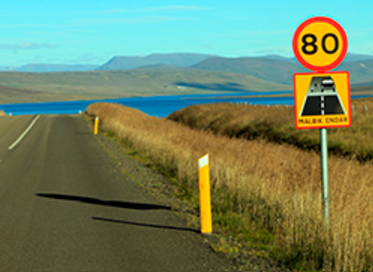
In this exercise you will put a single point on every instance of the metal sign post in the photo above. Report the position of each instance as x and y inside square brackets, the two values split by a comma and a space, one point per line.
[324, 173]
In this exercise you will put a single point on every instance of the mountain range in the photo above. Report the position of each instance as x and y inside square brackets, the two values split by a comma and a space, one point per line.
[281, 71]
[177, 59]
[349, 57]
[272, 68]
[42, 68]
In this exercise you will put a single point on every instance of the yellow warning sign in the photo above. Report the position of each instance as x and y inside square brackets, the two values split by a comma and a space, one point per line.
[322, 100]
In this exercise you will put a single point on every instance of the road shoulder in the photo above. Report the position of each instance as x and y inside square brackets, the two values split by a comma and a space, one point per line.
[160, 190]
[165, 192]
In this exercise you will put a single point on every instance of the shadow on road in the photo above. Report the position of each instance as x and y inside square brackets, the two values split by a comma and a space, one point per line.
[144, 225]
[110, 203]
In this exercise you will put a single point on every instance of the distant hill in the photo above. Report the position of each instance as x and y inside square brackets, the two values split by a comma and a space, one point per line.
[278, 57]
[13, 94]
[275, 69]
[349, 57]
[168, 61]
[177, 59]
[360, 71]
[278, 71]
[21, 87]
[7, 68]
[270, 68]
[160, 66]
[42, 68]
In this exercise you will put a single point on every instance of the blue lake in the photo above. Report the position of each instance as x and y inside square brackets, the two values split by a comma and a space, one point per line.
[159, 106]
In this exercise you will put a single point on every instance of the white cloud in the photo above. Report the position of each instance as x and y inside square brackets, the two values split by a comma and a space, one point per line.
[257, 33]
[91, 58]
[285, 51]
[110, 11]
[239, 18]
[133, 20]
[25, 46]
[206, 46]
[152, 9]
[178, 8]
[24, 25]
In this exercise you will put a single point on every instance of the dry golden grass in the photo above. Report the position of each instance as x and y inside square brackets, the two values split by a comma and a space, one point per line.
[276, 186]
[277, 124]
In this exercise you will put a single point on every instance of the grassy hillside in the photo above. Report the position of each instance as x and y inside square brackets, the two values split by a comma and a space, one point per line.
[12, 94]
[137, 82]
[276, 124]
[279, 71]
[265, 195]
[360, 71]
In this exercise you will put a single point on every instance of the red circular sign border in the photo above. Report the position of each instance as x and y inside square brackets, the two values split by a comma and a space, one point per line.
[315, 20]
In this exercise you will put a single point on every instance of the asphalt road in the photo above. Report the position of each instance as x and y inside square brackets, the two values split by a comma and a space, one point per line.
[65, 207]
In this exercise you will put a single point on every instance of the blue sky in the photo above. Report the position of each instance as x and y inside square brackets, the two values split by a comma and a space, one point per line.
[84, 32]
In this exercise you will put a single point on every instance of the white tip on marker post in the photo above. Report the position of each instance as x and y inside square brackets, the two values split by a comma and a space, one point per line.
[203, 161]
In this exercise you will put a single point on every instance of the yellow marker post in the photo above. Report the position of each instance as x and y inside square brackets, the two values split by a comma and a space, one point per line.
[204, 194]
[96, 126]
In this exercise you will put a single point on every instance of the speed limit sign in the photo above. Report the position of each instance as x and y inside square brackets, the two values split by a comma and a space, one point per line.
[320, 44]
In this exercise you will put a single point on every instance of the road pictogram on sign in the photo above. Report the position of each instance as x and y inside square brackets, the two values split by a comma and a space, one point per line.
[320, 44]
[322, 100]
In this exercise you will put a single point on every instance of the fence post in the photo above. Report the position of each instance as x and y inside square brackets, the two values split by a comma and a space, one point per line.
[366, 110]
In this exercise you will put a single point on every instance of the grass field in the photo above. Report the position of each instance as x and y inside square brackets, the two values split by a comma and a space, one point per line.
[66, 86]
[265, 194]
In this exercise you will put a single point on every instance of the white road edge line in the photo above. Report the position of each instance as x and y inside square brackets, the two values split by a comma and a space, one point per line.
[13, 145]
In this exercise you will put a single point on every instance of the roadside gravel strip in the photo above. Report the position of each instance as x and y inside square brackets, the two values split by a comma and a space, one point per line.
[158, 187]
[197, 247]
